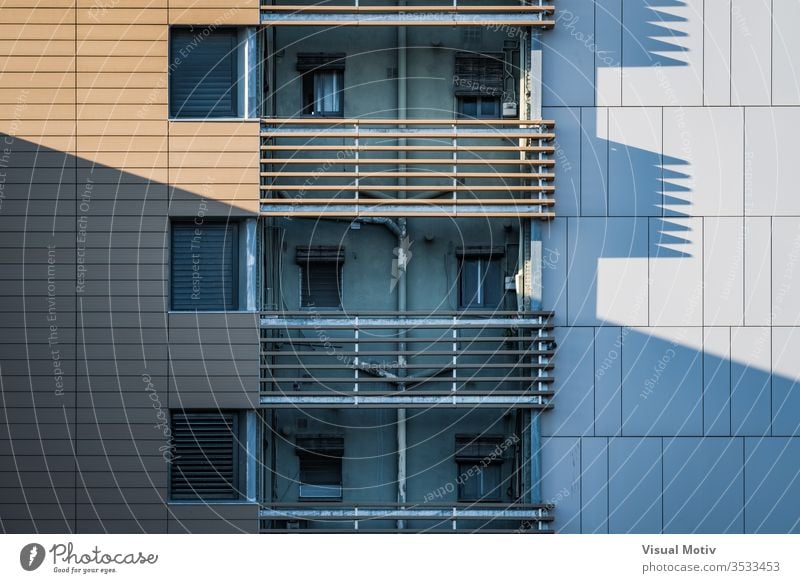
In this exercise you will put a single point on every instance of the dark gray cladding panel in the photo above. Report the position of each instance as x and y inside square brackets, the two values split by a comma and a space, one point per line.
[104, 525]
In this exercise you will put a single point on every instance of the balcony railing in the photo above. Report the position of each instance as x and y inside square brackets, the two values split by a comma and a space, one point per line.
[507, 14]
[406, 359]
[372, 167]
[328, 517]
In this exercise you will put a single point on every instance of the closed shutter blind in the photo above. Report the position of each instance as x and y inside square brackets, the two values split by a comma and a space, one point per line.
[477, 449]
[205, 462]
[204, 73]
[312, 61]
[320, 276]
[204, 266]
[320, 284]
[320, 471]
[478, 74]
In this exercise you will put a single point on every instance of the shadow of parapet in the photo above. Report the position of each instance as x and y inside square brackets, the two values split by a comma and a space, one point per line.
[620, 155]
[650, 32]
[85, 369]
[681, 427]
[673, 431]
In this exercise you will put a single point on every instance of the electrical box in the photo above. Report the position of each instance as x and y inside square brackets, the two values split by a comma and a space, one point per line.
[511, 283]
[509, 109]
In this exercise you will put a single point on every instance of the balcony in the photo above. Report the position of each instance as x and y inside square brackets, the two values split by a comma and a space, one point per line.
[314, 167]
[508, 15]
[406, 359]
[328, 517]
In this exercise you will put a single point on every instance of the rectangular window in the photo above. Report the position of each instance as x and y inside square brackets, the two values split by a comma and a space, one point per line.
[478, 84]
[479, 483]
[320, 276]
[204, 269]
[480, 464]
[323, 83]
[320, 467]
[478, 107]
[480, 276]
[204, 75]
[206, 455]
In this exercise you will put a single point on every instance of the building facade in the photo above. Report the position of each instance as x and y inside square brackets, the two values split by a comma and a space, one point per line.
[489, 267]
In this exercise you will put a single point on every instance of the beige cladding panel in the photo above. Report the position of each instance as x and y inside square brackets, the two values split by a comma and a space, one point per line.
[217, 161]
[216, 12]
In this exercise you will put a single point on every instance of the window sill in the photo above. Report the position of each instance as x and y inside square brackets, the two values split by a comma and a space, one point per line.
[215, 502]
[170, 312]
[213, 119]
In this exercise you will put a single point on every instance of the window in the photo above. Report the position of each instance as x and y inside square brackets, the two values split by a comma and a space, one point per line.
[204, 269]
[481, 279]
[480, 464]
[320, 276]
[478, 107]
[320, 467]
[479, 483]
[478, 84]
[204, 73]
[206, 455]
[323, 83]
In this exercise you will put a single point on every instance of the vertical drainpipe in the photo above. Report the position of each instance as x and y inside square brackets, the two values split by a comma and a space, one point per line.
[402, 282]
[535, 112]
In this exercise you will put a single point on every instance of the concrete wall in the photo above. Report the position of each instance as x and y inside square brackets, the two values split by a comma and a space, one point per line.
[671, 266]
[370, 84]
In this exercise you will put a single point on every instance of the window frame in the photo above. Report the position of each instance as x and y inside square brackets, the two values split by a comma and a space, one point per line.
[480, 99]
[235, 266]
[236, 65]
[309, 89]
[306, 257]
[483, 495]
[310, 65]
[493, 261]
[314, 449]
[476, 453]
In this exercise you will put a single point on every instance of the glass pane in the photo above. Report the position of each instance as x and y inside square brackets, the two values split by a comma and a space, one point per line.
[327, 92]
[490, 107]
[468, 106]
[470, 282]
[479, 483]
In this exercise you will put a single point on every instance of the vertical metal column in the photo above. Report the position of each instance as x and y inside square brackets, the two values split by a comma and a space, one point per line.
[535, 280]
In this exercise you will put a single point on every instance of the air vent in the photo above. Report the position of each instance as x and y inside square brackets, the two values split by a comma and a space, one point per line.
[205, 466]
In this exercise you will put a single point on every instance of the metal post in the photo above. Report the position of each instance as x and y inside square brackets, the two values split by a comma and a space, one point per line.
[535, 280]
[402, 75]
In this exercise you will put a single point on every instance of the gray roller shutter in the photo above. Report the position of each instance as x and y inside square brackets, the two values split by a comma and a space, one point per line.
[478, 74]
[203, 73]
[204, 266]
[320, 276]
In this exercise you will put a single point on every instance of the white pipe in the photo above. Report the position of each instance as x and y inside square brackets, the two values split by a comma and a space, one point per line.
[402, 74]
